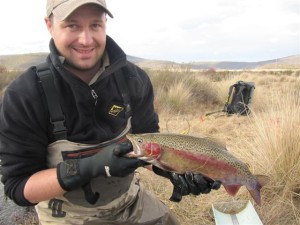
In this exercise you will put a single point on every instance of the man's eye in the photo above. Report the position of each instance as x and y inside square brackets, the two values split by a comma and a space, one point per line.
[72, 26]
[96, 26]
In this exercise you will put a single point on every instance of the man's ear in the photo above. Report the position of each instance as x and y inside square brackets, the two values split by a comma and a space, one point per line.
[49, 24]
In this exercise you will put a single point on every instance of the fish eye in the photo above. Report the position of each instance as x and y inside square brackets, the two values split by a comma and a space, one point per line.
[140, 140]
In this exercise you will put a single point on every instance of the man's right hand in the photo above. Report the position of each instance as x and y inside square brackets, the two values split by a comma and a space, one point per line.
[109, 162]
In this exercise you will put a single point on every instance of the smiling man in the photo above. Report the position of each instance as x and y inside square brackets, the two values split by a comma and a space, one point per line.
[80, 38]
[62, 123]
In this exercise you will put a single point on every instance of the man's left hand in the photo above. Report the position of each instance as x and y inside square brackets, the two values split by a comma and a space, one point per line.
[187, 183]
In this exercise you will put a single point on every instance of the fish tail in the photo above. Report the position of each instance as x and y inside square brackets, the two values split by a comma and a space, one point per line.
[255, 193]
[261, 180]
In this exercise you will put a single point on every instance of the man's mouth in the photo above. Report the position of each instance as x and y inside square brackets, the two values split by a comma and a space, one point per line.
[86, 52]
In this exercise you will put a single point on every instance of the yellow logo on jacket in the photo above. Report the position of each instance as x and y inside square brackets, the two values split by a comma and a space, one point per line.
[115, 110]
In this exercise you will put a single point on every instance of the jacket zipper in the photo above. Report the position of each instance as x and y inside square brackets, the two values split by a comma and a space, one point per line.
[95, 96]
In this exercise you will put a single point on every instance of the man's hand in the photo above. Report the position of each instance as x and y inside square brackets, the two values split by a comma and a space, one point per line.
[109, 162]
[188, 183]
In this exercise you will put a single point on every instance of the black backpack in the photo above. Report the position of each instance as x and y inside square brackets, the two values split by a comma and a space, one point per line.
[239, 98]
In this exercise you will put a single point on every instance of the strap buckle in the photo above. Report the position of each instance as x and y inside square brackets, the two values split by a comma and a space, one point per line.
[59, 129]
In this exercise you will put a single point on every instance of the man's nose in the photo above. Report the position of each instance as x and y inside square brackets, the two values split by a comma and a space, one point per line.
[85, 37]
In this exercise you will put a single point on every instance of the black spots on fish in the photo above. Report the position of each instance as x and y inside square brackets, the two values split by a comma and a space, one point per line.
[201, 145]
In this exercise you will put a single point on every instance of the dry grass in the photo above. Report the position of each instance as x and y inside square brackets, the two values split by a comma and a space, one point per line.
[268, 140]
[277, 146]
[182, 92]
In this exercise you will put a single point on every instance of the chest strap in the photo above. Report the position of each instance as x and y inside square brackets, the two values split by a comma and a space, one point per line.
[57, 118]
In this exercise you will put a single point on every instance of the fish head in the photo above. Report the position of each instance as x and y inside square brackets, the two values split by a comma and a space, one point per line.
[143, 146]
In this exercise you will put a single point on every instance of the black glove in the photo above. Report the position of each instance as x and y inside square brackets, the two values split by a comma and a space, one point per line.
[187, 183]
[109, 162]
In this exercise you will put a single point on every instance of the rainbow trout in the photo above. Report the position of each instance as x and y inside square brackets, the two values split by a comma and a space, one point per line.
[183, 153]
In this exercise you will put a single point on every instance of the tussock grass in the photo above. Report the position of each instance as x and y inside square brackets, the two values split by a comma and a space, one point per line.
[268, 140]
[276, 148]
[182, 92]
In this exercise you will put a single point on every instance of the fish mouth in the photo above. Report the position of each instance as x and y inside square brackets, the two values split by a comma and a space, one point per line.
[137, 152]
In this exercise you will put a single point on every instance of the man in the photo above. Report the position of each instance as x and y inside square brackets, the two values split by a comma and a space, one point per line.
[75, 171]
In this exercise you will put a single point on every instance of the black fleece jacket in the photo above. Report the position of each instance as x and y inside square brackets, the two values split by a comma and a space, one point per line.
[25, 128]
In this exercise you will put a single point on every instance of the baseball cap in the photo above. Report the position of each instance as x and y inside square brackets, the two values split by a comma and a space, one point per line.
[63, 8]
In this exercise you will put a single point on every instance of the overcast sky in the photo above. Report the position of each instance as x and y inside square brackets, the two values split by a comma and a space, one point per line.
[175, 30]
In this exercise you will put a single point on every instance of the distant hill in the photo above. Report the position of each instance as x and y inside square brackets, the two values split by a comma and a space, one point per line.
[291, 62]
[22, 62]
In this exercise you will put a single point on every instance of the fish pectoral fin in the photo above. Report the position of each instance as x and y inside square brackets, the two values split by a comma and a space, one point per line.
[232, 189]
[162, 166]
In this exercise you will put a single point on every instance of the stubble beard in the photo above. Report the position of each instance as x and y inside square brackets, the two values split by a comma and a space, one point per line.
[74, 66]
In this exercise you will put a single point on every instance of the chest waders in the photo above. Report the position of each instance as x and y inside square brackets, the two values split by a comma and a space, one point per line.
[104, 200]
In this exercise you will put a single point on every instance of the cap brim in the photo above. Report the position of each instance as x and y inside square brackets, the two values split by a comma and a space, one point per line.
[67, 8]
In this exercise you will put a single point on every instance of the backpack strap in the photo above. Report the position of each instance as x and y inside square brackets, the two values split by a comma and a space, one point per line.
[239, 87]
[123, 88]
[229, 98]
[57, 117]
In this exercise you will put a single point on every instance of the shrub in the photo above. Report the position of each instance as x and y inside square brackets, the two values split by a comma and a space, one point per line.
[182, 91]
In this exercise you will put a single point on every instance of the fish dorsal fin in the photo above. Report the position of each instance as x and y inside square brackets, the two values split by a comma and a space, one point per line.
[232, 189]
[217, 142]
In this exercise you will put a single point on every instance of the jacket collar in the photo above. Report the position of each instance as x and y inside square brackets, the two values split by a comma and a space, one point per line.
[117, 56]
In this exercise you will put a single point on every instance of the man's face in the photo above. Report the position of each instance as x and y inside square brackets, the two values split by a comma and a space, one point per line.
[81, 37]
